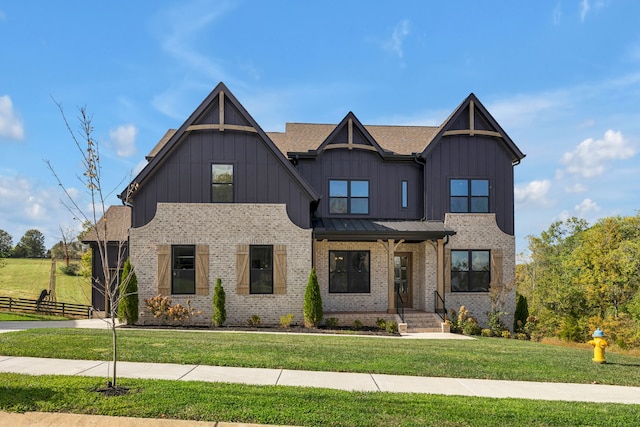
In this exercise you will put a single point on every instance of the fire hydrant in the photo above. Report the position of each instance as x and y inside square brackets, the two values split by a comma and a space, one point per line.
[599, 343]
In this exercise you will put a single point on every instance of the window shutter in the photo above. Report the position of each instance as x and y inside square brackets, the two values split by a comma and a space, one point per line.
[496, 267]
[447, 270]
[164, 269]
[242, 269]
[202, 270]
[280, 269]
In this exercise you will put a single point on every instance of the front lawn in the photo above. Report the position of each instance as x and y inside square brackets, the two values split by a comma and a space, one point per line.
[485, 358]
[296, 405]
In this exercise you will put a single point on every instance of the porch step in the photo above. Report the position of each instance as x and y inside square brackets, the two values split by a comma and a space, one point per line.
[420, 321]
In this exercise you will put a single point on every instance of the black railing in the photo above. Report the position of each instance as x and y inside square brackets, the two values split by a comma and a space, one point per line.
[45, 307]
[399, 305]
[439, 307]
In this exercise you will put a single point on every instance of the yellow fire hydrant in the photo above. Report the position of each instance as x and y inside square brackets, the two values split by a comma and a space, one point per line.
[599, 343]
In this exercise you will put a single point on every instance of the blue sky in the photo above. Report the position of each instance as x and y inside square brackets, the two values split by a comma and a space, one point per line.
[561, 77]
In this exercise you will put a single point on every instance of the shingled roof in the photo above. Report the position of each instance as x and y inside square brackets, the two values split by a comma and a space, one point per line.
[116, 222]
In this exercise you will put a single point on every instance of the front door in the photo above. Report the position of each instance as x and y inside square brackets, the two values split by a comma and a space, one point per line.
[402, 277]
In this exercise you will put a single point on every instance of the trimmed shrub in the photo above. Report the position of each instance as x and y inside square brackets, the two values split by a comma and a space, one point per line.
[286, 320]
[219, 299]
[486, 333]
[128, 305]
[254, 320]
[312, 302]
[391, 327]
[381, 323]
[332, 322]
[357, 325]
[521, 314]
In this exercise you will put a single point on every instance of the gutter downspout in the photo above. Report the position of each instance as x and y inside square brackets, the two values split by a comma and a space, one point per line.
[423, 163]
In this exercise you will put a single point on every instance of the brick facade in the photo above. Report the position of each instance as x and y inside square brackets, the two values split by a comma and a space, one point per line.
[222, 227]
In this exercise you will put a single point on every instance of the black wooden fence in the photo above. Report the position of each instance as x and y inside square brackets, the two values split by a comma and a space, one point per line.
[45, 307]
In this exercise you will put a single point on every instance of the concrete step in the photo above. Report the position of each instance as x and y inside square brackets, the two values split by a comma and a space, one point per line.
[423, 322]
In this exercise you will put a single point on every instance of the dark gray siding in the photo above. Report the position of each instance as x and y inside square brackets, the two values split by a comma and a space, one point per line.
[384, 178]
[185, 175]
[470, 157]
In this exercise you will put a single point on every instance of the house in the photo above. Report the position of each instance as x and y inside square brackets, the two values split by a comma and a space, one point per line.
[408, 220]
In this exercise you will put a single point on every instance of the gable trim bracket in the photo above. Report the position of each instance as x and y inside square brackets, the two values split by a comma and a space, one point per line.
[221, 126]
[472, 131]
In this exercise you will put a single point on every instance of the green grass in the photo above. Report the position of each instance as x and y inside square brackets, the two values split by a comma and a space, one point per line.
[26, 278]
[487, 358]
[296, 405]
[7, 316]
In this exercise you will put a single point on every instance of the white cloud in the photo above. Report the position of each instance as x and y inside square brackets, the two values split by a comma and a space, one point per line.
[11, 126]
[584, 9]
[591, 157]
[394, 44]
[123, 139]
[576, 188]
[585, 207]
[534, 193]
[523, 110]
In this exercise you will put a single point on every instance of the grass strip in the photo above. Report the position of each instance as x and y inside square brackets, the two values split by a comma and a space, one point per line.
[295, 405]
[485, 358]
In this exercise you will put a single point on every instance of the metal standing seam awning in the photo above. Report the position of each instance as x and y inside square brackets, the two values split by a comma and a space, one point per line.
[367, 230]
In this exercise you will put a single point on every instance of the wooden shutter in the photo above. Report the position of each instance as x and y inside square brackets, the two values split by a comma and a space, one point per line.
[164, 269]
[202, 270]
[280, 269]
[496, 267]
[242, 269]
[447, 270]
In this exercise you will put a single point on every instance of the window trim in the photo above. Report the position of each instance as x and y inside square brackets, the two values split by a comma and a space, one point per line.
[469, 197]
[173, 269]
[253, 271]
[470, 271]
[349, 196]
[232, 184]
[349, 272]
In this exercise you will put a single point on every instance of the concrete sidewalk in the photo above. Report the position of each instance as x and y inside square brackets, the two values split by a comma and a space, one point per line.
[332, 380]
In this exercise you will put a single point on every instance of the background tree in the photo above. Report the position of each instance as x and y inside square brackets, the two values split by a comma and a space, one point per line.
[67, 248]
[6, 244]
[128, 307]
[31, 245]
[312, 302]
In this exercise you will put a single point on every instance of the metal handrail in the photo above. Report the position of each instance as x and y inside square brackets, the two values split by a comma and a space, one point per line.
[399, 305]
[442, 310]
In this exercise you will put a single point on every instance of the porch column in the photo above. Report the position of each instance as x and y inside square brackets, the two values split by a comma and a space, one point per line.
[440, 272]
[391, 246]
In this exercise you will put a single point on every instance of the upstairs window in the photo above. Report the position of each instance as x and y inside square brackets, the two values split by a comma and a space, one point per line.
[404, 195]
[222, 183]
[348, 197]
[469, 196]
[183, 269]
[470, 271]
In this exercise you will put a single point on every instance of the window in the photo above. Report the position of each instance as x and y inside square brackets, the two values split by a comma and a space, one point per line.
[221, 183]
[470, 271]
[183, 269]
[349, 271]
[404, 195]
[348, 197]
[261, 275]
[469, 195]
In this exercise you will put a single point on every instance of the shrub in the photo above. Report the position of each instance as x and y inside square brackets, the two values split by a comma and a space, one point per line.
[128, 306]
[312, 302]
[382, 324]
[332, 322]
[219, 298]
[286, 320]
[70, 270]
[506, 334]
[471, 327]
[391, 327]
[522, 336]
[254, 320]
[162, 308]
[521, 314]
[357, 325]
[486, 333]
[454, 326]
[495, 322]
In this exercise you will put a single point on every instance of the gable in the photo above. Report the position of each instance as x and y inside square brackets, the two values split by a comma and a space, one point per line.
[471, 119]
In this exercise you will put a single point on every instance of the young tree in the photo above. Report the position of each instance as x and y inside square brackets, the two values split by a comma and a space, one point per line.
[88, 150]
[219, 311]
[128, 307]
[312, 302]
